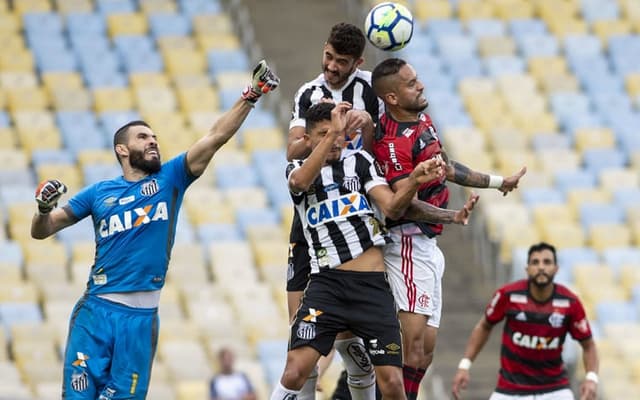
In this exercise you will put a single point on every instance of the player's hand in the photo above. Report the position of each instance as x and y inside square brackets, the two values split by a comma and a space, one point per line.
[588, 390]
[511, 182]
[263, 80]
[357, 119]
[460, 381]
[428, 170]
[339, 117]
[48, 193]
[462, 215]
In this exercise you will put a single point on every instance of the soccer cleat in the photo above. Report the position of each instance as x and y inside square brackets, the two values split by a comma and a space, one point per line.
[263, 80]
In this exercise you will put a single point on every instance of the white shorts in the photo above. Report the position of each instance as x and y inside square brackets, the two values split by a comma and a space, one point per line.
[415, 266]
[562, 394]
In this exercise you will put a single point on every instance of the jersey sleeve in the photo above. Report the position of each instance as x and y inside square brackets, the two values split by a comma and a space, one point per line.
[496, 308]
[579, 328]
[178, 171]
[370, 172]
[81, 204]
[292, 166]
[301, 104]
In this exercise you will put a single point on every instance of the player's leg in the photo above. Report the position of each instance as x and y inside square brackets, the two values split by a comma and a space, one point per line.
[361, 377]
[86, 358]
[300, 362]
[414, 327]
[135, 342]
[390, 382]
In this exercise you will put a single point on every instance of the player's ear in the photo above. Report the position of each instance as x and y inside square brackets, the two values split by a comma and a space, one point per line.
[359, 62]
[391, 98]
[122, 150]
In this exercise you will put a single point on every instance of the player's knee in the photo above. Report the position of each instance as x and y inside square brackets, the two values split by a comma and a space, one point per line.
[293, 378]
[391, 386]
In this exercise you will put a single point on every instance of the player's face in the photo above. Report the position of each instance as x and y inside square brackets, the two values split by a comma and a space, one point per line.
[337, 67]
[144, 153]
[541, 268]
[319, 131]
[410, 90]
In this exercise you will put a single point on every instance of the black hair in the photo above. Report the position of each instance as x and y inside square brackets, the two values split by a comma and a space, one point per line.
[317, 113]
[121, 137]
[540, 247]
[390, 66]
[347, 39]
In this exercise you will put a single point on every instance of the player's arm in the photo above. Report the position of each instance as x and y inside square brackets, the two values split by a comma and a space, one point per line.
[465, 176]
[201, 152]
[479, 336]
[394, 204]
[49, 219]
[297, 147]
[425, 212]
[361, 120]
[301, 178]
[589, 387]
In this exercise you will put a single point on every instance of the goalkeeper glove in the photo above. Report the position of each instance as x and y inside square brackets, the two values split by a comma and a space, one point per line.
[263, 80]
[48, 193]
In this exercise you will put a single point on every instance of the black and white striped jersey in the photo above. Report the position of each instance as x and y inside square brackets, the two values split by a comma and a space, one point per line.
[357, 91]
[337, 216]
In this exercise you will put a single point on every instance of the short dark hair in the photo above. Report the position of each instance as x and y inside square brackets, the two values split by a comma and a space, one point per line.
[540, 247]
[121, 137]
[390, 66]
[317, 113]
[347, 39]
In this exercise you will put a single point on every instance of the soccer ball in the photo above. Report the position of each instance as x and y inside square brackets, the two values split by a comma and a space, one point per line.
[389, 26]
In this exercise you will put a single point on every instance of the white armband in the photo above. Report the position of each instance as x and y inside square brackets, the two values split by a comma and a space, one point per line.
[465, 364]
[495, 181]
[591, 376]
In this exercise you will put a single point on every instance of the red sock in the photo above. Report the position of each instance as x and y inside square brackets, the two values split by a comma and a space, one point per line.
[412, 378]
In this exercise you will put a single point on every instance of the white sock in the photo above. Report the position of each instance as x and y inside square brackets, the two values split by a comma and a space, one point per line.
[282, 393]
[308, 391]
[361, 376]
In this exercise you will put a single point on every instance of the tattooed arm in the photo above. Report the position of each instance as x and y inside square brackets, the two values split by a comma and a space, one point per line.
[425, 212]
[465, 176]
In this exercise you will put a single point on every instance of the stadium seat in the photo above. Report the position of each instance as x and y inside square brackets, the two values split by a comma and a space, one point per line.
[609, 235]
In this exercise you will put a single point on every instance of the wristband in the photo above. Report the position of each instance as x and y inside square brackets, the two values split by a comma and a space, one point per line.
[495, 181]
[591, 376]
[465, 364]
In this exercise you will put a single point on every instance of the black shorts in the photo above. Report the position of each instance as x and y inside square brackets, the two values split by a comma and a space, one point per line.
[299, 267]
[360, 302]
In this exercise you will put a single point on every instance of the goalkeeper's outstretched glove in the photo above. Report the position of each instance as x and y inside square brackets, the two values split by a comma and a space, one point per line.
[48, 193]
[263, 80]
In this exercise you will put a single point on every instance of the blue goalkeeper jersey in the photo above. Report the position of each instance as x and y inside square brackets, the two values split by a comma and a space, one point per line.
[135, 227]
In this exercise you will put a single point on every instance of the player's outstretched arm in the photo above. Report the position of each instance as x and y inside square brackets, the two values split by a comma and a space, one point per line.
[589, 387]
[425, 212]
[479, 336]
[465, 176]
[49, 219]
[199, 155]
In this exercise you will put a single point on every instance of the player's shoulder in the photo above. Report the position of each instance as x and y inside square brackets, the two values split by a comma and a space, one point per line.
[315, 82]
[520, 286]
[564, 292]
[363, 75]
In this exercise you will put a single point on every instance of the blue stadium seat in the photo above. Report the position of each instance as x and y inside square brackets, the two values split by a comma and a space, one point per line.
[45, 22]
[456, 47]
[62, 156]
[421, 43]
[131, 44]
[11, 252]
[536, 45]
[527, 26]
[80, 131]
[226, 60]
[568, 258]
[486, 27]
[113, 120]
[544, 141]
[106, 7]
[595, 82]
[460, 68]
[567, 180]
[14, 313]
[272, 355]
[212, 233]
[568, 103]
[143, 62]
[616, 258]
[229, 176]
[438, 80]
[595, 160]
[16, 193]
[591, 214]
[248, 217]
[612, 105]
[86, 24]
[585, 66]
[609, 312]
[582, 46]
[17, 177]
[165, 24]
[537, 196]
[625, 197]
[504, 65]
[98, 172]
[77, 232]
[598, 10]
[439, 27]
[5, 121]
[198, 7]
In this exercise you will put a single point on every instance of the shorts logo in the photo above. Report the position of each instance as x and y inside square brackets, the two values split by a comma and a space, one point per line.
[79, 382]
[306, 331]
[80, 360]
[358, 354]
[373, 348]
[313, 313]
[107, 394]
[423, 300]
[393, 348]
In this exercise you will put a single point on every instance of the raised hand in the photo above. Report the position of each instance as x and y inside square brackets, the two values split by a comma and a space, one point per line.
[511, 182]
[339, 117]
[462, 215]
[428, 170]
[48, 193]
[263, 80]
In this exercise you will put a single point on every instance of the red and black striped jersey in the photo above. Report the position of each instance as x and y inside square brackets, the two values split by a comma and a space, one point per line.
[533, 337]
[399, 147]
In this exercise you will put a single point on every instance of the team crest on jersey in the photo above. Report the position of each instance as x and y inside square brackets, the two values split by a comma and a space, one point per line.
[351, 183]
[306, 331]
[79, 381]
[149, 188]
[556, 319]
[338, 208]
